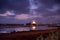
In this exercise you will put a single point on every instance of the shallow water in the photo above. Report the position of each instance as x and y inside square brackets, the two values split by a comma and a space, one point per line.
[8, 30]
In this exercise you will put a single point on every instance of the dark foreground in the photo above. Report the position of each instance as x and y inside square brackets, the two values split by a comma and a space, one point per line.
[31, 35]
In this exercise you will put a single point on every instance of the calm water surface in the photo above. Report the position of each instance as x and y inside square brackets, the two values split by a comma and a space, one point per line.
[8, 30]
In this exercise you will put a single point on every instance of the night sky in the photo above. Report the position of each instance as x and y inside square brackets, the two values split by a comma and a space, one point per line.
[17, 11]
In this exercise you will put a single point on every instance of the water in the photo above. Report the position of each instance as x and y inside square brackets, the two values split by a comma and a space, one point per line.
[8, 30]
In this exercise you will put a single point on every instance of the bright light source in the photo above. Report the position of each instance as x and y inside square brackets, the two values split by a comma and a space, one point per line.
[33, 27]
[33, 22]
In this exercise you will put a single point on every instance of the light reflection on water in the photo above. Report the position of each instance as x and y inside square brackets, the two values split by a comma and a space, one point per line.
[8, 30]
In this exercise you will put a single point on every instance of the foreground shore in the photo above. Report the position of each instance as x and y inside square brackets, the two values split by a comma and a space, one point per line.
[27, 35]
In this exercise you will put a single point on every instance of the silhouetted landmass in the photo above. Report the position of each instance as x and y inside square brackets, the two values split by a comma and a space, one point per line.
[28, 25]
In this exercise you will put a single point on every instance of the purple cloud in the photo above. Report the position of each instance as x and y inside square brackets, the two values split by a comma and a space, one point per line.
[7, 13]
[26, 16]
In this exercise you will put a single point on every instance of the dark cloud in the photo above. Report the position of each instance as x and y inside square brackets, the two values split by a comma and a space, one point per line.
[21, 6]
[57, 1]
[48, 9]
[16, 5]
[50, 3]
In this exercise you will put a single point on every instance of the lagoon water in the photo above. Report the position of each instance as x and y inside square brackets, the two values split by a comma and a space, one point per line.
[8, 30]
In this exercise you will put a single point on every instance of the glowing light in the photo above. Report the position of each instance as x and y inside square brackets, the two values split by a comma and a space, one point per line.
[34, 27]
[33, 22]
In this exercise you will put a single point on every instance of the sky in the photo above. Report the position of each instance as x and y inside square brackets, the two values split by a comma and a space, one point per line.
[20, 11]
